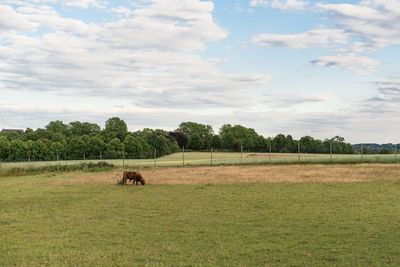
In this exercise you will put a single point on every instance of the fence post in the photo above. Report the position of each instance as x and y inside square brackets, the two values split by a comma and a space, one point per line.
[330, 149]
[183, 155]
[361, 152]
[101, 160]
[395, 154]
[29, 164]
[298, 149]
[123, 159]
[211, 156]
[155, 156]
[241, 154]
[270, 154]
[84, 161]
[1, 161]
[58, 165]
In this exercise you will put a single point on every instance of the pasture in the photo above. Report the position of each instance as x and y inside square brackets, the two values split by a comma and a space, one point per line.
[279, 215]
[220, 158]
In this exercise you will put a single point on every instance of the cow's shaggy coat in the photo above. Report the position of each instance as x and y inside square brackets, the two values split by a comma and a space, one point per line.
[133, 175]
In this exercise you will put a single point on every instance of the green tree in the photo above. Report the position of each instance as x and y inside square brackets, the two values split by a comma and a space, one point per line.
[96, 145]
[384, 151]
[290, 145]
[114, 149]
[307, 144]
[147, 149]
[233, 137]
[279, 143]
[29, 134]
[227, 141]
[58, 149]
[60, 138]
[18, 151]
[216, 142]
[249, 143]
[115, 127]
[367, 150]
[133, 147]
[77, 147]
[195, 142]
[261, 144]
[40, 151]
[205, 132]
[4, 147]
[83, 128]
[43, 134]
[30, 147]
[57, 127]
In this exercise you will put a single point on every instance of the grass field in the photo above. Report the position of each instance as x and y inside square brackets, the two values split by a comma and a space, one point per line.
[218, 158]
[287, 215]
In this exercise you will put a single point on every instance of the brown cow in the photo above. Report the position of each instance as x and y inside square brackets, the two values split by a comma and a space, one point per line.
[132, 175]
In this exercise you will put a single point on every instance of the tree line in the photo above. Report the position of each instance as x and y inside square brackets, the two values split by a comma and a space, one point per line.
[238, 137]
[77, 140]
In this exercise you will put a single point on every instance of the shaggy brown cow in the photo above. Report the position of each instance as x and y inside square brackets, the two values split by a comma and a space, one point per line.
[132, 175]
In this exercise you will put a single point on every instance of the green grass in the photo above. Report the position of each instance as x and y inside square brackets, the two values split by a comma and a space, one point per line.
[219, 158]
[52, 168]
[308, 224]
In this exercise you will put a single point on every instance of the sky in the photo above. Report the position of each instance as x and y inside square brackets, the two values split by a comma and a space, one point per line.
[318, 68]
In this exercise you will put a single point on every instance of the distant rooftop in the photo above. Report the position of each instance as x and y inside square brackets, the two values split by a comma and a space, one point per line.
[13, 130]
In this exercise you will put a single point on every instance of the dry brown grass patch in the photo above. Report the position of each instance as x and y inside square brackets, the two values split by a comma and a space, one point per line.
[317, 173]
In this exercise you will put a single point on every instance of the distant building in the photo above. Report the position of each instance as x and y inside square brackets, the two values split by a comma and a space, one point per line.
[13, 130]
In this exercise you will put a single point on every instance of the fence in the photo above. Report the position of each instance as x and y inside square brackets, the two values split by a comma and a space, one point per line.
[212, 158]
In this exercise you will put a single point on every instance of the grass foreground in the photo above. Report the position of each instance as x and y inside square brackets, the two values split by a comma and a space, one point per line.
[49, 220]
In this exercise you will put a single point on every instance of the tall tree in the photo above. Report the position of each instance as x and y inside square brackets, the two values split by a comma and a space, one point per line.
[96, 145]
[181, 138]
[57, 127]
[216, 142]
[279, 143]
[77, 147]
[205, 132]
[133, 147]
[18, 151]
[4, 147]
[115, 127]
[195, 142]
[82, 128]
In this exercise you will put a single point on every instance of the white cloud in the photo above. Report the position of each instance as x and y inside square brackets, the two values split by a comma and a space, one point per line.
[122, 11]
[389, 93]
[11, 20]
[314, 38]
[289, 5]
[283, 5]
[374, 21]
[258, 3]
[146, 57]
[360, 64]
[353, 11]
[289, 100]
[361, 29]
[86, 3]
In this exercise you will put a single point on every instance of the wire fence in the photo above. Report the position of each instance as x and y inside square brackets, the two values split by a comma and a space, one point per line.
[210, 158]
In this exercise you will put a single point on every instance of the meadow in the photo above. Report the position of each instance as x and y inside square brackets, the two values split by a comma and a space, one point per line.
[220, 158]
[240, 215]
